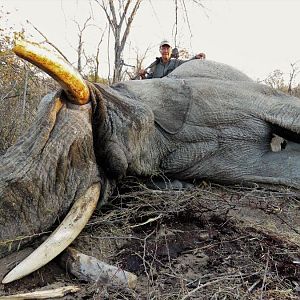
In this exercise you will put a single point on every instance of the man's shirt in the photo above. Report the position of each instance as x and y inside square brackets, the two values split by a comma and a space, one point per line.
[159, 69]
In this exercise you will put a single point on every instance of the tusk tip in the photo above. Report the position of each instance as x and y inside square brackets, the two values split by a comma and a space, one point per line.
[61, 238]
[8, 278]
[56, 66]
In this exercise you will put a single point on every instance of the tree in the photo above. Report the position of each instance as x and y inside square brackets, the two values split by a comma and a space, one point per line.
[22, 87]
[276, 80]
[139, 60]
[296, 91]
[292, 76]
[80, 43]
[93, 63]
[120, 27]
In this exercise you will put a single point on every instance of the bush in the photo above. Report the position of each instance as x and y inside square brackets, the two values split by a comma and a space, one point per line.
[22, 88]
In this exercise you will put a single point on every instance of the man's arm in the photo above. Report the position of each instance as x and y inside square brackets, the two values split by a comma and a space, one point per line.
[197, 56]
[200, 56]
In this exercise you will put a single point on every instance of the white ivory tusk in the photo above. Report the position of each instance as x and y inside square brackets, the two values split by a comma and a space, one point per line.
[57, 67]
[61, 238]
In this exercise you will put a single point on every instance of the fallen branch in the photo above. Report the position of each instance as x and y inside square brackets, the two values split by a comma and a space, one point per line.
[45, 294]
[89, 268]
[201, 286]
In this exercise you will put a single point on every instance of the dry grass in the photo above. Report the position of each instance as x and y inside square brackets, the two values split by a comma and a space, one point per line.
[194, 244]
[210, 242]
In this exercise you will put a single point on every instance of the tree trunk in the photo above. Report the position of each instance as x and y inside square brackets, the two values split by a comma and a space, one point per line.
[118, 65]
[117, 26]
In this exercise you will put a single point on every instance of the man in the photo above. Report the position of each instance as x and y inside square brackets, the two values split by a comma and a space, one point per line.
[165, 64]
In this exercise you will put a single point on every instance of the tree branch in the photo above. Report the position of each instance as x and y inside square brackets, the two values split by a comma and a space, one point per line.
[130, 19]
[113, 12]
[124, 12]
[104, 8]
[47, 41]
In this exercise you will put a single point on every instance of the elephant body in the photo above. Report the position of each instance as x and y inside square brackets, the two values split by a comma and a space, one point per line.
[204, 120]
[207, 120]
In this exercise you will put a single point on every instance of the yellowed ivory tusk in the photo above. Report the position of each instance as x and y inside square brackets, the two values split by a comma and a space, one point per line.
[61, 238]
[57, 67]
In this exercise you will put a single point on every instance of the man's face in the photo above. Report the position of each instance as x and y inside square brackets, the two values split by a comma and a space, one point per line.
[165, 51]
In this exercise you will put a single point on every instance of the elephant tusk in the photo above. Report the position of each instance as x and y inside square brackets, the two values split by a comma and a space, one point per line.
[58, 68]
[61, 238]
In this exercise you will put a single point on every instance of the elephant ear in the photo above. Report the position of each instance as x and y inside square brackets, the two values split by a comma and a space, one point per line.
[168, 99]
[171, 112]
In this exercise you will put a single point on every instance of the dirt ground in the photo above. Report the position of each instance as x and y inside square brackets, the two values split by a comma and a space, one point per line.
[210, 242]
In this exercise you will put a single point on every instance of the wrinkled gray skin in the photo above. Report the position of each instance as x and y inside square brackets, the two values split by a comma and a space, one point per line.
[208, 120]
[204, 120]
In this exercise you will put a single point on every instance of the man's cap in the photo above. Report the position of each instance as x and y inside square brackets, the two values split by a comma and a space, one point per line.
[165, 42]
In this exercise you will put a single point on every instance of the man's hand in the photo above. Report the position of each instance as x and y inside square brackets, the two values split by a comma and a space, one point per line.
[142, 73]
[200, 56]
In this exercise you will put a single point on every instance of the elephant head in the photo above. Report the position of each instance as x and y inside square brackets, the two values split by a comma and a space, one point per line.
[50, 168]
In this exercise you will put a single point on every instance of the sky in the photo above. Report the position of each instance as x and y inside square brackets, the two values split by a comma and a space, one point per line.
[254, 36]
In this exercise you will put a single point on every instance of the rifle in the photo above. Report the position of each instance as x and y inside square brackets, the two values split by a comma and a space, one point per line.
[175, 54]
[149, 67]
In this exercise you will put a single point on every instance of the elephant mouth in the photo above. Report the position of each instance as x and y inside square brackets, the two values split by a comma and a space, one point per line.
[78, 93]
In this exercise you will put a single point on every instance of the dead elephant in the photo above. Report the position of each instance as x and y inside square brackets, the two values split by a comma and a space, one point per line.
[204, 120]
